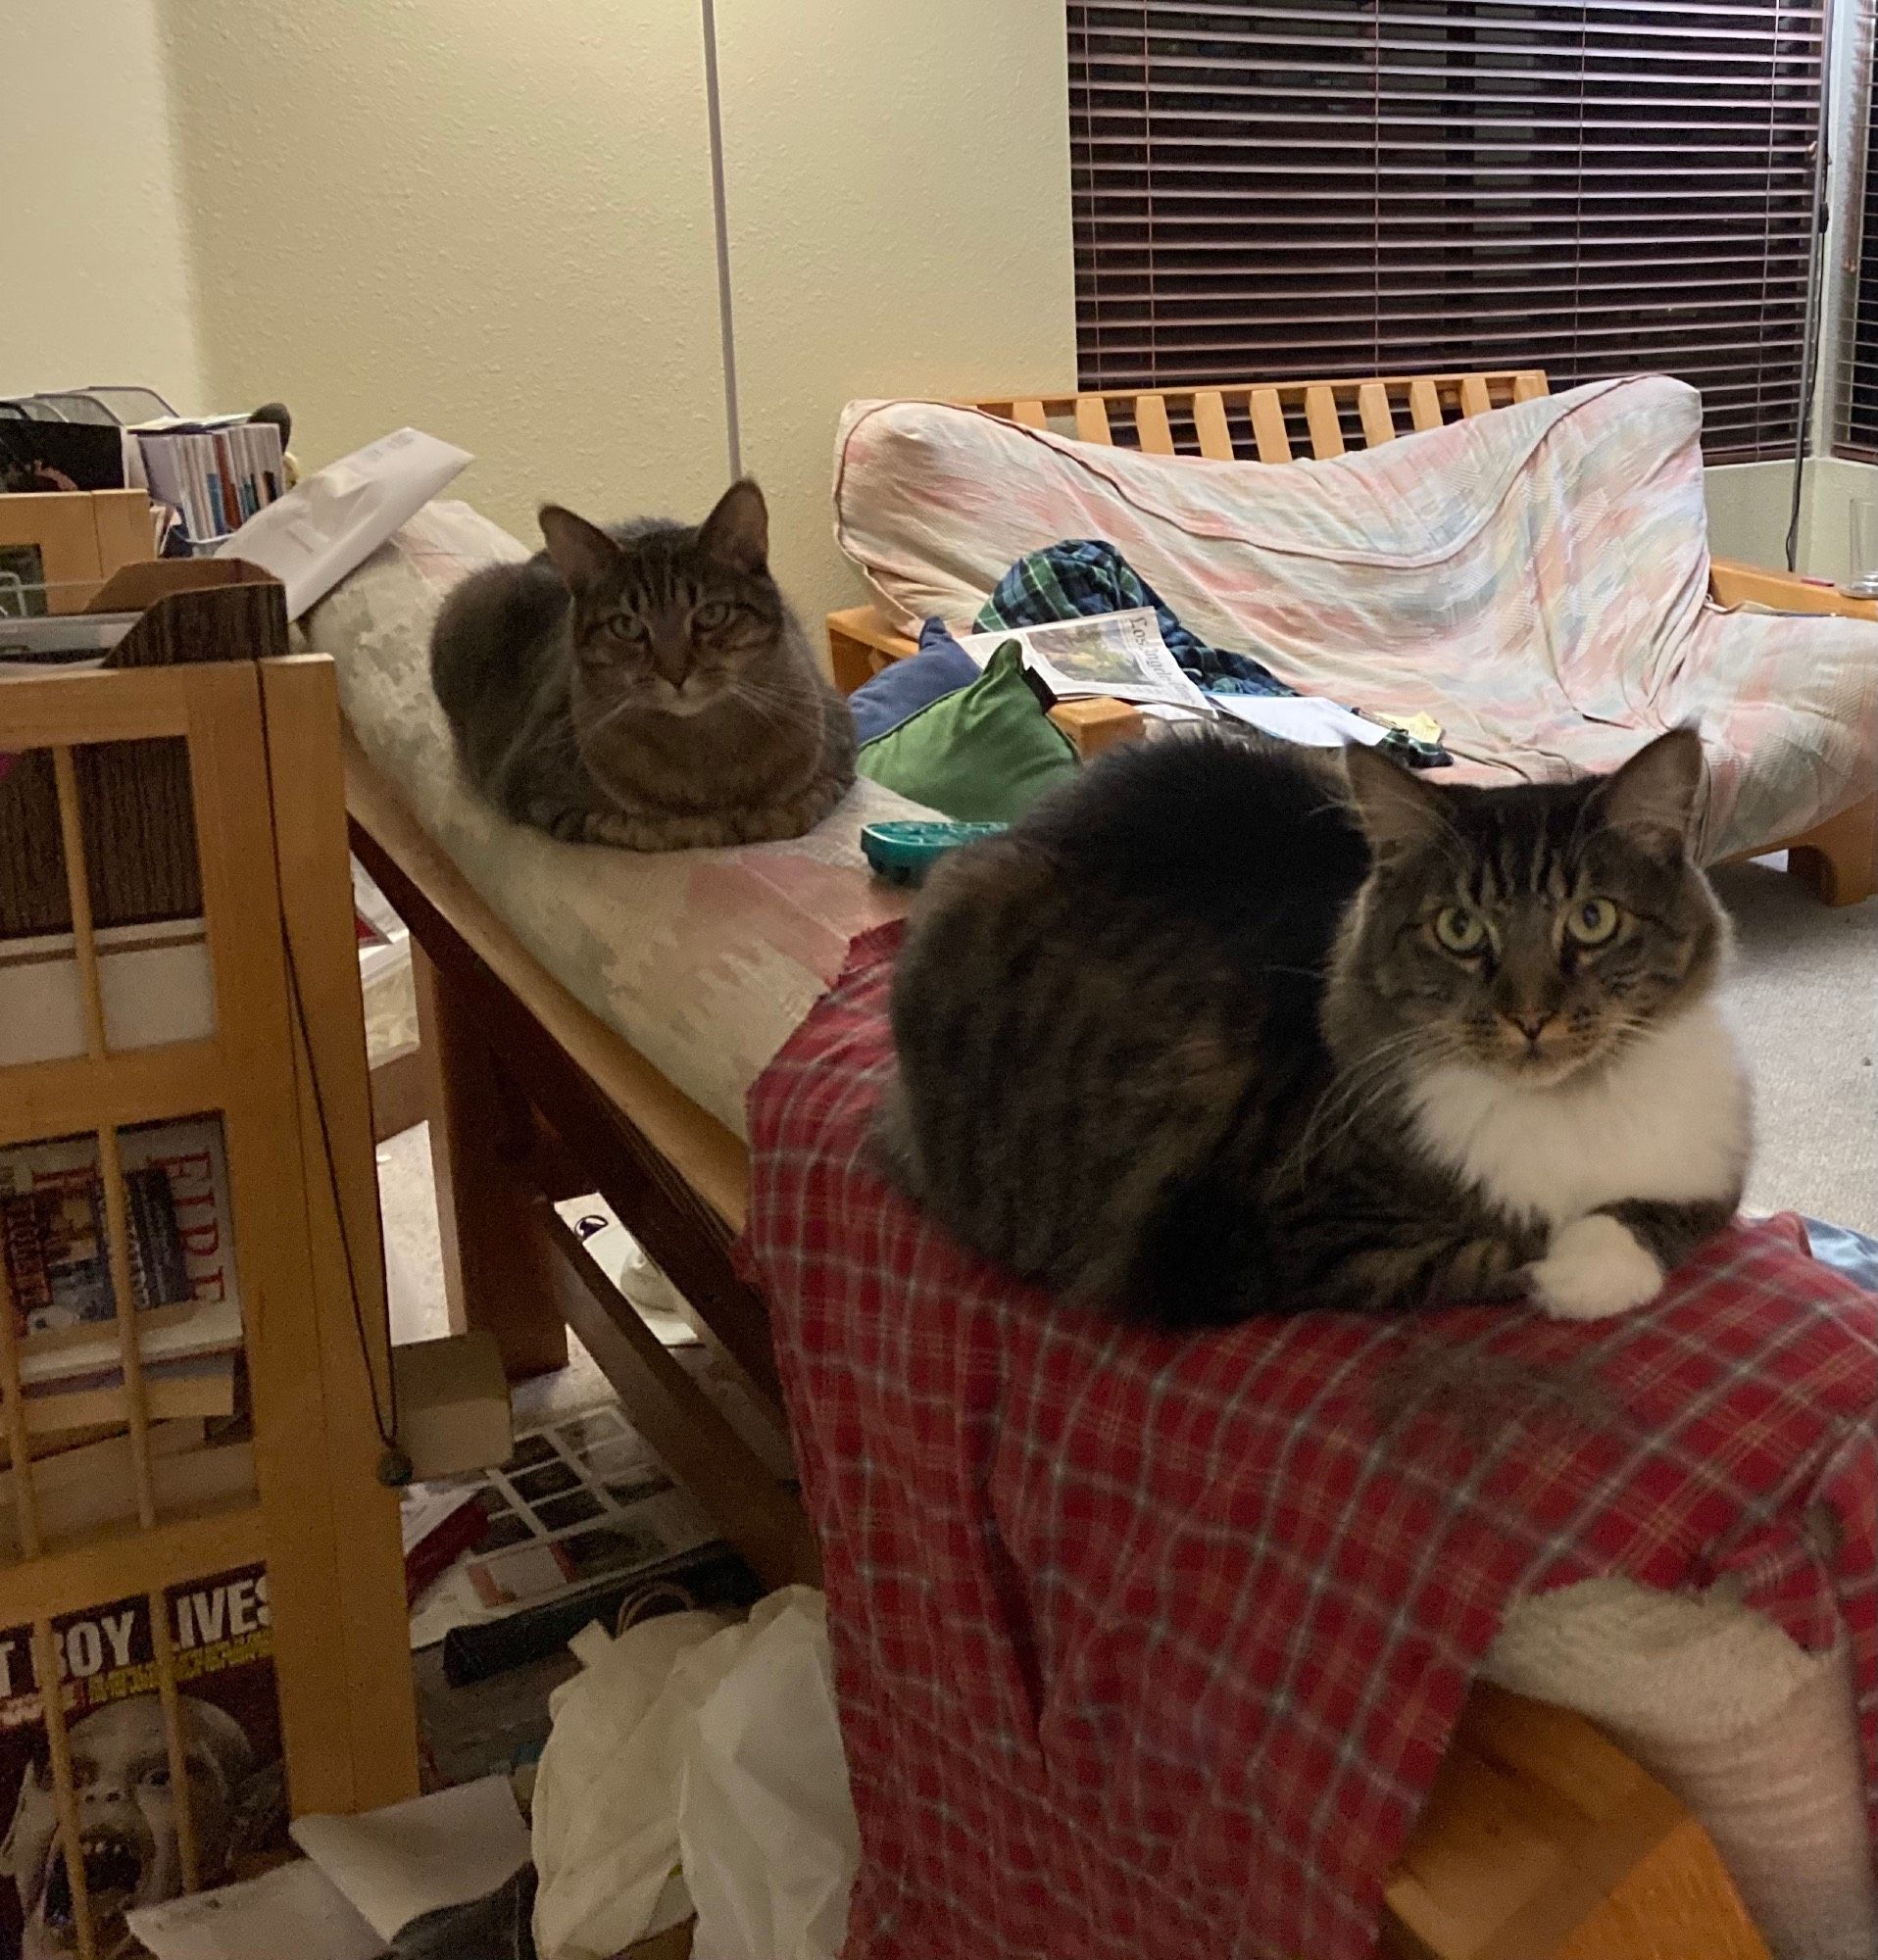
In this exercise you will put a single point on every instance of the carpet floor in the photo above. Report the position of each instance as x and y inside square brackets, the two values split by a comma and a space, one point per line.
[1805, 1002]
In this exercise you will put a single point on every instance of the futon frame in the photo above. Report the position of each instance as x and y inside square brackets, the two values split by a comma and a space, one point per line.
[1837, 859]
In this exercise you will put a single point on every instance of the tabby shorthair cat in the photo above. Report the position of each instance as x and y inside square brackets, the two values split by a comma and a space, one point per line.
[644, 686]
[1224, 1028]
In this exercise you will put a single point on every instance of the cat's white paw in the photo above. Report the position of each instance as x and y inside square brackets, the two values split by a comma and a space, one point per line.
[1594, 1268]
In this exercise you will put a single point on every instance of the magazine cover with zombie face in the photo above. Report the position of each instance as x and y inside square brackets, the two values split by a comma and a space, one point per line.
[121, 1785]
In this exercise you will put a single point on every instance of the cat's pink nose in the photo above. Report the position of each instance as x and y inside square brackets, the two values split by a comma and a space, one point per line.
[1532, 1026]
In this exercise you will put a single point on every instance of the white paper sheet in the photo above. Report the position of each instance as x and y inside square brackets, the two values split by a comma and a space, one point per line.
[294, 1911]
[1300, 717]
[332, 522]
[399, 1863]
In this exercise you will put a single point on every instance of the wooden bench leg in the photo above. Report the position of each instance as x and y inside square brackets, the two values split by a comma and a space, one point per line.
[1094, 726]
[497, 1273]
[699, 1445]
[1838, 861]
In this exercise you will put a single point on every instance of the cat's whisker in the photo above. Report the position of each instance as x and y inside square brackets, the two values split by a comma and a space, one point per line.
[769, 701]
[613, 716]
[760, 688]
[1361, 1090]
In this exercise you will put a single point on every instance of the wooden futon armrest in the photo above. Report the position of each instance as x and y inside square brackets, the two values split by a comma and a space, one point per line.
[1734, 584]
[1543, 1838]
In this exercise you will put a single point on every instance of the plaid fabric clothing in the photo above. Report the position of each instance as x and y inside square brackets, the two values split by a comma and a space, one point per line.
[1083, 576]
[1150, 1646]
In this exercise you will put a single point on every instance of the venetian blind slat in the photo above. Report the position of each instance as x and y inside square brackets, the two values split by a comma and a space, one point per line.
[1303, 189]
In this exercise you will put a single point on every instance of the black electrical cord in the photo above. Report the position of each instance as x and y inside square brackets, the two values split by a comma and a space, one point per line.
[394, 1466]
[1800, 462]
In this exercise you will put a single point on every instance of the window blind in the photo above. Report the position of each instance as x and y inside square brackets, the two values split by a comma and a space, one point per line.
[1294, 189]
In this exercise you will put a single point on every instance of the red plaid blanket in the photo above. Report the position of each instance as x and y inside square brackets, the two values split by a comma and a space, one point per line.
[1150, 1646]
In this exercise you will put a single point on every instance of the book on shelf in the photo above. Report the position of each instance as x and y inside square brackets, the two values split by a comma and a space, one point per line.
[84, 1489]
[202, 1385]
[55, 1248]
[216, 472]
[53, 1240]
[57, 1442]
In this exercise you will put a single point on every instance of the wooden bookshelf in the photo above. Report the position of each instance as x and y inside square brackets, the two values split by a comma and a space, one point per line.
[201, 769]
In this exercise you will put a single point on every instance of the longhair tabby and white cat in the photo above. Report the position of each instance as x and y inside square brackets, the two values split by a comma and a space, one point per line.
[1226, 1027]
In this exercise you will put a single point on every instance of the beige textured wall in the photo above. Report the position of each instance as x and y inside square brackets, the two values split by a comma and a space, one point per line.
[494, 219]
[1749, 507]
[93, 275]
[488, 217]
[1834, 484]
[897, 180]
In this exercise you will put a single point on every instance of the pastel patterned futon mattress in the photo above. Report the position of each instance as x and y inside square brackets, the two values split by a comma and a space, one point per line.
[1535, 580]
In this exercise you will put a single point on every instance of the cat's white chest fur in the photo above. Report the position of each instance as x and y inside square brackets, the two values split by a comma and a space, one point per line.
[1668, 1119]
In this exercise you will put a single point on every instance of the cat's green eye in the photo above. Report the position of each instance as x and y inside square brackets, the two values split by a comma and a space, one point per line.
[628, 627]
[709, 616]
[1591, 921]
[1460, 930]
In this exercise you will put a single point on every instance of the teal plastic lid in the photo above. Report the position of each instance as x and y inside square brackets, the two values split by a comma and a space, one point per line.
[906, 849]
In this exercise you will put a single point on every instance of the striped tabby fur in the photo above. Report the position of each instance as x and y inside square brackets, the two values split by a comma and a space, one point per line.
[645, 686]
[1226, 1028]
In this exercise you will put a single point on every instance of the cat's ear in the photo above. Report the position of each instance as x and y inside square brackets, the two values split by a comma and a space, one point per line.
[1651, 799]
[737, 531]
[582, 552]
[1397, 812]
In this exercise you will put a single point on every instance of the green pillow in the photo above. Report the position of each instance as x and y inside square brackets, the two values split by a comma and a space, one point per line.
[981, 755]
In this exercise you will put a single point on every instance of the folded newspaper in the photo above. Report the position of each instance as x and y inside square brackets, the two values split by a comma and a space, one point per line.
[1120, 654]
[1123, 656]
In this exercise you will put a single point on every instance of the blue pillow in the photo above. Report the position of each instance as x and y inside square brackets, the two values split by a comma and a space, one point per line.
[901, 689]
[1854, 1255]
